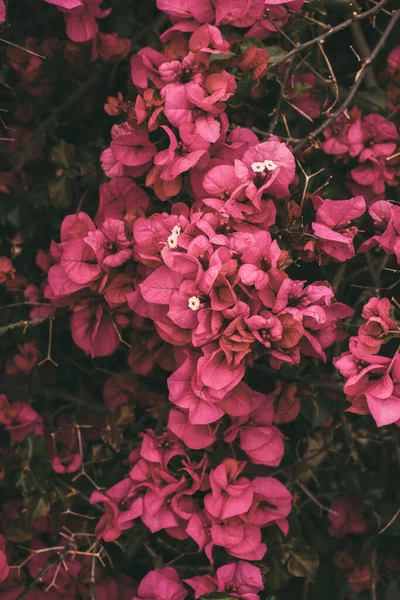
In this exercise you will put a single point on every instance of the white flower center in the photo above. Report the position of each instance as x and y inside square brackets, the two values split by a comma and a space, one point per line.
[176, 230]
[258, 167]
[172, 241]
[270, 165]
[194, 303]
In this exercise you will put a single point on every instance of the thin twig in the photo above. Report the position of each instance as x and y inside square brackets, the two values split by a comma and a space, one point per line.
[357, 82]
[392, 520]
[22, 48]
[314, 499]
[267, 134]
[364, 51]
[41, 574]
[48, 355]
[356, 17]
[93, 594]
[275, 119]
[332, 77]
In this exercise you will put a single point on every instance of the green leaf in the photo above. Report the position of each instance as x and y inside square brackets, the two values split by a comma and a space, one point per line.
[18, 532]
[218, 596]
[303, 562]
[374, 97]
[277, 575]
[300, 88]
[37, 508]
[248, 42]
[220, 56]
[317, 410]
[276, 55]
[63, 154]
[4, 329]
[60, 193]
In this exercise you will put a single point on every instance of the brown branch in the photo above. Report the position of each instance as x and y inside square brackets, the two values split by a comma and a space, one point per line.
[93, 594]
[332, 77]
[355, 17]
[22, 48]
[314, 499]
[40, 575]
[364, 50]
[25, 324]
[267, 134]
[48, 355]
[392, 520]
[275, 119]
[357, 82]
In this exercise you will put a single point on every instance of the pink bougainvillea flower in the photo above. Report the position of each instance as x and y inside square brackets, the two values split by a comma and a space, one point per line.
[182, 156]
[110, 47]
[161, 584]
[160, 449]
[360, 578]
[66, 463]
[132, 147]
[240, 579]
[254, 60]
[239, 539]
[383, 395]
[19, 419]
[346, 517]
[3, 16]
[208, 38]
[268, 167]
[272, 503]
[393, 65]
[122, 506]
[6, 269]
[336, 134]
[94, 331]
[4, 568]
[79, 262]
[110, 244]
[195, 437]
[231, 495]
[303, 93]
[80, 17]
[334, 225]
[263, 445]
[119, 197]
[238, 13]
[202, 585]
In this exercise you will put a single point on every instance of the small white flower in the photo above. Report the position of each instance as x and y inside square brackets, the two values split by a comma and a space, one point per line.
[258, 167]
[176, 230]
[270, 165]
[172, 241]
[194, 303]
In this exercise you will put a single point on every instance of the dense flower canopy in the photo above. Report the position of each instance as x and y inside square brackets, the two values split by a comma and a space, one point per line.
[235, 309]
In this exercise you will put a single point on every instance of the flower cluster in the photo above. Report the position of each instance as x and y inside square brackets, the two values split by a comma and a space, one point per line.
[386, 223]
[231, 514]
[80, 17]
[373, 142]
[240, 580]
[201, 289]
[372, 380]
[218, 276]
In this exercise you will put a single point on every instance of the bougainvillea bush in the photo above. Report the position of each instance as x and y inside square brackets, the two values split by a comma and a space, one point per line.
[199, 330]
